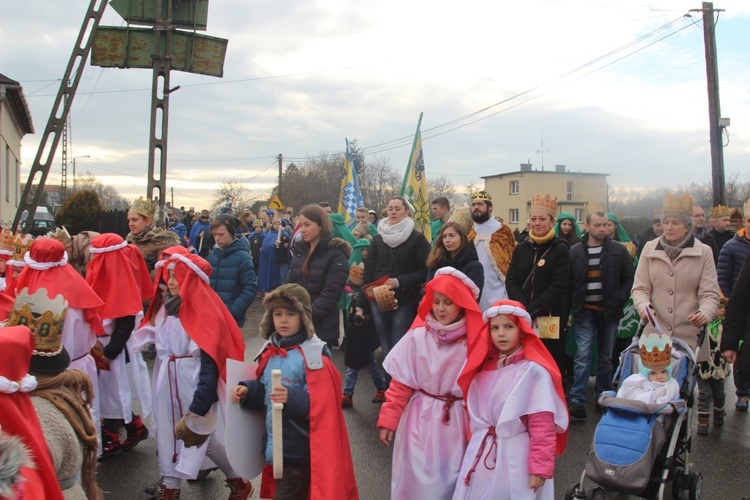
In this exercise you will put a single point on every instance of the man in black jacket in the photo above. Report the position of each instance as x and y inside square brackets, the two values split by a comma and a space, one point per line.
[736, 328]
[601, 276]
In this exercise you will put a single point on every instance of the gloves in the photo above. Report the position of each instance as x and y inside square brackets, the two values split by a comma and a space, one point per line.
[97, 352]
[172, 304]
[190, 438]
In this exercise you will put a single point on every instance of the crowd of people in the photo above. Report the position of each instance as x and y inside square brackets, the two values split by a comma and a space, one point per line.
[488, 343]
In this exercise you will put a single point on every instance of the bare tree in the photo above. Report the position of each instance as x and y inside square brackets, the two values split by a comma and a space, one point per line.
[441, 186]
[235, 192]
[379, 182]
[109, 198]
[464, 198]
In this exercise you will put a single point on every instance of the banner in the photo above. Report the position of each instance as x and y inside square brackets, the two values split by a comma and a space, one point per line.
[350, 197]
[414, 187]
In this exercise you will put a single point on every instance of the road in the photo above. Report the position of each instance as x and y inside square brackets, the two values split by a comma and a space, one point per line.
[723, 457]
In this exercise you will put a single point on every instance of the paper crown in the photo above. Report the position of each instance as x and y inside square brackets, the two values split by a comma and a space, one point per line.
[678, 204]
[6, 242]
[719, 211]
[462, 217]
[747, 207]
[144, 207]
[21, 244]
[356, 272]
[45, 318]
[656, 351]
[482, 196]
[593, 207]
[545, 204]
[62, 235]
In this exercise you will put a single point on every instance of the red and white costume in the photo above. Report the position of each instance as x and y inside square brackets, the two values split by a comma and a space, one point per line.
[47, 267]
[424, 403]
[518, 415]
[118, 274]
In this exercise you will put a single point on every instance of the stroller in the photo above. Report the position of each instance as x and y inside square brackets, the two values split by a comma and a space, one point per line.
[638, 448]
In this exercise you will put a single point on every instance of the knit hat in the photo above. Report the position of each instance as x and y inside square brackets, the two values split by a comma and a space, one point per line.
[679, 207]
[230, 221]
[205, 213]
[290, 296]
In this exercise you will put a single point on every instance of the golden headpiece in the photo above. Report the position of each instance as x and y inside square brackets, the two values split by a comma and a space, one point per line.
[6, 242]
[593, 207]
[656, 351]
[719, 211]
[462, 217]
[21, 244]
[678, 204]
[45, 318]
[747, 206]
[544, 204]
[482, 196]
[144, 207]
[62, 235]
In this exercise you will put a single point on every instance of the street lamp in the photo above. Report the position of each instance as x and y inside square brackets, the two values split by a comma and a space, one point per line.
[74, 168]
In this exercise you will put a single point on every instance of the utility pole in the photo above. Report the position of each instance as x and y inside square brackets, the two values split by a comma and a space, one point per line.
[714, 109]
[279, 158]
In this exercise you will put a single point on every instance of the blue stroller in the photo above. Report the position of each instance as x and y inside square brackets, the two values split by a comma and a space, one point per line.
[638, 448]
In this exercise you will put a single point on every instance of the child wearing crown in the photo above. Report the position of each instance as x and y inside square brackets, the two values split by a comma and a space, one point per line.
[653, 384]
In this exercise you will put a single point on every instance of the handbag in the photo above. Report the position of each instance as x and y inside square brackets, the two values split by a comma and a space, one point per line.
[361, 341]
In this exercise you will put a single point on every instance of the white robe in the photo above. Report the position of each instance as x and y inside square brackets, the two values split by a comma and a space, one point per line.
[494, 288]
[498, 398]
[174, 382]
[78, 339]
[115, 384]
[427, 453]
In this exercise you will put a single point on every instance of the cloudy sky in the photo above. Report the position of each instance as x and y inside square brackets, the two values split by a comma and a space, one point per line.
[300, 76]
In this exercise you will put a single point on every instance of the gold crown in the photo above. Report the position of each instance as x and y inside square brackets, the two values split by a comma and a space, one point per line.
[356, 272]
[6, 241]
[680, 204]
[482, 196]
[747, 206]
[144, 207]
[656, 359]
[62, 235]
[43, 316]
[546, 204]
[593, 207]
[21, 244]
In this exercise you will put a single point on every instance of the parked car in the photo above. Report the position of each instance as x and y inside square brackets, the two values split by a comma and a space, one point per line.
[43, 222]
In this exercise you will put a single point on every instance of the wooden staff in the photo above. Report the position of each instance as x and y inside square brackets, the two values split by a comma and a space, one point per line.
[278, 442]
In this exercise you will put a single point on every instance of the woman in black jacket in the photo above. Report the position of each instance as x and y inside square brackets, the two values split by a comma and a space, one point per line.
[453, 248]
[538, 274]
[399, 252]
[320, 264]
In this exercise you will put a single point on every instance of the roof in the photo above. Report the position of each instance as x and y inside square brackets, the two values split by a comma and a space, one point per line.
[18, 104]
[552, 172]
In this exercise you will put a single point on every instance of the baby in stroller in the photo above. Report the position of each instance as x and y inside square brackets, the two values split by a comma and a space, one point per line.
[643, 439]
[653, 384]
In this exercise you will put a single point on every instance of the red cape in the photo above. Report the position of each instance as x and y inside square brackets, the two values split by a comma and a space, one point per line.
[6, 305]
[331, 468]
[61, 280]
[120, 277]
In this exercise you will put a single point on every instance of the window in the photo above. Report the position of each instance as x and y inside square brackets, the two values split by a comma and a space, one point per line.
[579, 215]
[514, 187]
[570, 191]
[513, 215]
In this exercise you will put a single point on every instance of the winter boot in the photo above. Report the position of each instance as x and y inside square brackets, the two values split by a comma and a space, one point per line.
[137, 432]
[241, 489]
[719, 414]
[703, 423]
[110, 443]
[379, 396]
[346, 401]
[167, 493]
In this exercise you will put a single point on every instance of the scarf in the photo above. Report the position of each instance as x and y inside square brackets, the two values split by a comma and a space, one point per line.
[395, 234]
[544, 239]
[66, 391]
[144, 235]
[446, 334]
[674, 251]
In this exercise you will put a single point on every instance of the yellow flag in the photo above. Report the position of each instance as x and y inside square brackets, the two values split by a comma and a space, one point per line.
[414, 187]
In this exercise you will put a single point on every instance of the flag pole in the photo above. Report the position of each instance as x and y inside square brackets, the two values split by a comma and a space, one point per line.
[411, 156]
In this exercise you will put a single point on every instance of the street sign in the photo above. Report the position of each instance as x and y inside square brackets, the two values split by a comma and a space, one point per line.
[134, 47]
[275, 203]
[189, 14]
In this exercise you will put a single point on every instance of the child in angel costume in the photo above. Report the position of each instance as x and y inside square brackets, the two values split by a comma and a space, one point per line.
[517, 410]
[194, 334]
[424, 414]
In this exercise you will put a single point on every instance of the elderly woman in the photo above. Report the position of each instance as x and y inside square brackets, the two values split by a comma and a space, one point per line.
[676, 276]
[144, 234]
[567, 228]
[538, 275]
[320, 264]
[398, 252]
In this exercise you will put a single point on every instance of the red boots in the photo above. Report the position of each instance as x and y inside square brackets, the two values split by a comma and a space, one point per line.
[137, 432]
[240, 488]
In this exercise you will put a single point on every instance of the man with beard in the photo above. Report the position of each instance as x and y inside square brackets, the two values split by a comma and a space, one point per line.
[700, 232]
[495, 243]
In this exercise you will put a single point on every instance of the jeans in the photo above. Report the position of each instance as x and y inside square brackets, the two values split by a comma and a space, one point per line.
[392, 326]
[710, 390]
[375, 374]
[593, 325]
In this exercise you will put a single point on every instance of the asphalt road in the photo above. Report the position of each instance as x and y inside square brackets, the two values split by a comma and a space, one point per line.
[723, 457]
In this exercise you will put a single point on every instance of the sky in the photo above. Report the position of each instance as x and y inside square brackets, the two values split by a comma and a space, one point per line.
[545, 81]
